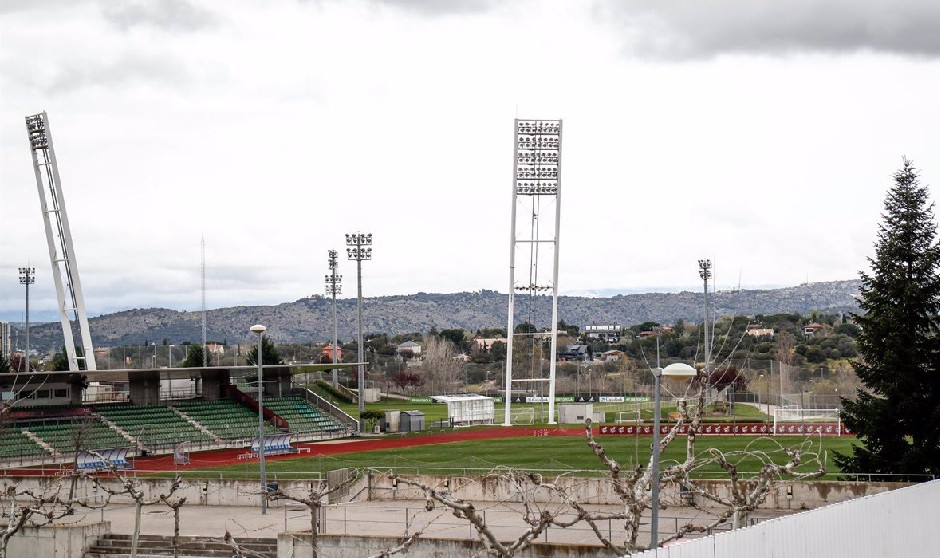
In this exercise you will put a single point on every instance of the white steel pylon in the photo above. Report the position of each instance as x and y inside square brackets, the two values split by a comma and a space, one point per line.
[59, 238]
[536, 182]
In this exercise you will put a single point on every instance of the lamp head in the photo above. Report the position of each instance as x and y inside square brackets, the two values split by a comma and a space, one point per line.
[679, 371]
[258, 328]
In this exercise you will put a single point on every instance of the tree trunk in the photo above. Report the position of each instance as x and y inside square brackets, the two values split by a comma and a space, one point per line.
[314, 512]
[176, 532]
[137, 507]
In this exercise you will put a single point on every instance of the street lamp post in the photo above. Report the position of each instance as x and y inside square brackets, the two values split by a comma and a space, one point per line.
[359, 247]
[27, 277]
[334, 287]
[260, 329]
[677, 371]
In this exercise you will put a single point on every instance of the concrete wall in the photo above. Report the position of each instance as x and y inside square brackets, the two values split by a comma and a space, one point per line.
[55, 541]
[298, 544]
[233, 492]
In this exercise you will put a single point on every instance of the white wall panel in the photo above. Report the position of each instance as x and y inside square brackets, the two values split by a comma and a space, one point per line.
[904, 522]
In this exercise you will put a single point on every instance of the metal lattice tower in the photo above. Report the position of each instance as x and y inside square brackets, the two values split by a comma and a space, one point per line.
[536, 190]
[59, 238]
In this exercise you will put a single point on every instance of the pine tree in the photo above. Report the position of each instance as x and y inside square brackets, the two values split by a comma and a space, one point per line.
[897, 415]
[270, 354]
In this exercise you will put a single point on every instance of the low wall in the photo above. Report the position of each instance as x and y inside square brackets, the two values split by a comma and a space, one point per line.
[298, 544]
[55, 540]
[235, 492]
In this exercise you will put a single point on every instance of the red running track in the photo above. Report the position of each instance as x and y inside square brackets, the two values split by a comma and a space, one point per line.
[219, 458]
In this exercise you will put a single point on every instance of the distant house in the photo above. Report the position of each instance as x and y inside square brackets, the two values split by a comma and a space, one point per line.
[653, 332]
[485, 344]
[812, 328]
[327, 352]
[758, 330]
[610, 333]
[611, 356]
[576, 352]
[414, 348]
[215, 348]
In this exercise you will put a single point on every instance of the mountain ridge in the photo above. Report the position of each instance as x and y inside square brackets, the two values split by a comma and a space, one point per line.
[310, 319]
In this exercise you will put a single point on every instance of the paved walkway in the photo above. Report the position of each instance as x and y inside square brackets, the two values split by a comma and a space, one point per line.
[378, 518]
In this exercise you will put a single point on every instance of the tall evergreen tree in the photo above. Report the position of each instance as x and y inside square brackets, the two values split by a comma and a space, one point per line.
[897, 415]
[193, 357]
[270, 354]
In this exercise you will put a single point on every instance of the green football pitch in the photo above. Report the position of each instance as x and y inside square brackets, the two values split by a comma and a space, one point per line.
[548, 454]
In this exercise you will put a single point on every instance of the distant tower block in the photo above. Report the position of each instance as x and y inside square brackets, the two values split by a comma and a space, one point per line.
[536, 222]
[59, 237]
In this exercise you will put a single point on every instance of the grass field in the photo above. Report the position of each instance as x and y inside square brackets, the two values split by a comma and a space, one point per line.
[560, 453]
[434, 412]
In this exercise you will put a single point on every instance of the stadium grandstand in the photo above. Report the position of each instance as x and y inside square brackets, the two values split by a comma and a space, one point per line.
[50, 417]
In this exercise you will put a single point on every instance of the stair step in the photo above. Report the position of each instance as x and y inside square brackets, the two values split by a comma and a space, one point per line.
[118, 545]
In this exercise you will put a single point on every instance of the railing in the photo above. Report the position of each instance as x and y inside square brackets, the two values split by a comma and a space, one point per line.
[324, 405]
[252, 403]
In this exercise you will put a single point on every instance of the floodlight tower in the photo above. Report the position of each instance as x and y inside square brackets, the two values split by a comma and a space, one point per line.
[705, 272]
[359, 247]
[27, 277]
[536, 182]
[334, 287]
[59, 238]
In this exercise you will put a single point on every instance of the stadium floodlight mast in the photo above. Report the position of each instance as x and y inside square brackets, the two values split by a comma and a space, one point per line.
[260, 329]
[334, 287]
[27, 277]
[705, 272]
[536, 185]
[359, 247]
[677, 371]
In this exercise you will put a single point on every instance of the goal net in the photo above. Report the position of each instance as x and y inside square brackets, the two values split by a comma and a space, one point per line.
[797, 414]
[522, 416]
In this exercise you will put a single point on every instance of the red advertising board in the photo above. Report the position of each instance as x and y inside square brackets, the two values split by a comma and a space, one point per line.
[732, 429]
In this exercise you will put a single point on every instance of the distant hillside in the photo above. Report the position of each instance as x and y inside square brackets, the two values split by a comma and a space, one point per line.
[310, 319]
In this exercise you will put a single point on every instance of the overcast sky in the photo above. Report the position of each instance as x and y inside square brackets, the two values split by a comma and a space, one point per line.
[762, 135]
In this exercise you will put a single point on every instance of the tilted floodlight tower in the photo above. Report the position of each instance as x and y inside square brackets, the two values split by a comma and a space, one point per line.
[59, 238]
[334, 287]
[536, 183]
[359, 247]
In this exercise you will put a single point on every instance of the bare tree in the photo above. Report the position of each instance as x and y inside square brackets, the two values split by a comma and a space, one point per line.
[439, 366]
[35, 507]
[174, 504]
[132, 487]
[320, 490]
[536, 515]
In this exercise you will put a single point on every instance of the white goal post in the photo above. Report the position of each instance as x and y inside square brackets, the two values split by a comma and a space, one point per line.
[628, 416]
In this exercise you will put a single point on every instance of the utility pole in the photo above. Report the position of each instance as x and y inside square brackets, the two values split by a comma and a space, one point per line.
[27, 277]
[705, 273]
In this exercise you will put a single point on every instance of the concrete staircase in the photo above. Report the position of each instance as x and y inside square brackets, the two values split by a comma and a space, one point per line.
[151, 546]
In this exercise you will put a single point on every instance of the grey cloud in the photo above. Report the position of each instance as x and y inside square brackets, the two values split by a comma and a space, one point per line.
[440, 7]
[170, 15]
[429, 7]
[683, 29]
[127, 69]
[14, 6]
